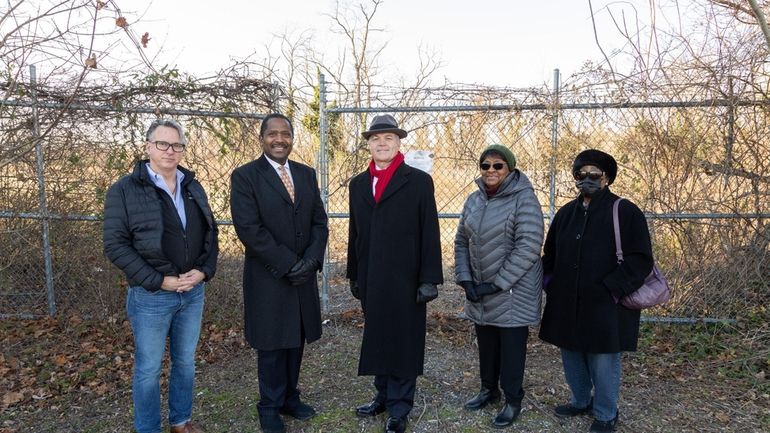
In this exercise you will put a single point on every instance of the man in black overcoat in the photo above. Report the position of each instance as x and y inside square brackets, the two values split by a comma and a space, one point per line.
[394, 266]
[279, 217]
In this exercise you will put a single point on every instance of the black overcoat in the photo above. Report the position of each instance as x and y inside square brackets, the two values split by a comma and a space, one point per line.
[393, 246]
[579, 254]
[276, 233]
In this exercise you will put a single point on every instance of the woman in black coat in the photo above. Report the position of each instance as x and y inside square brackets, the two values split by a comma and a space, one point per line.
[584, 281]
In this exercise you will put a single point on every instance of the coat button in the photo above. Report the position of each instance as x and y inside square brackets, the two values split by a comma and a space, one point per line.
[299, 234]
[578, 236]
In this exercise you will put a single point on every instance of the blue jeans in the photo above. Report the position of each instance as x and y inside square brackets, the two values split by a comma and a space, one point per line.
[599, 372]
[154, 317]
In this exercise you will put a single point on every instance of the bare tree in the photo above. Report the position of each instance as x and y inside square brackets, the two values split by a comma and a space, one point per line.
[716, 157]
[357, 26]
[70, 40]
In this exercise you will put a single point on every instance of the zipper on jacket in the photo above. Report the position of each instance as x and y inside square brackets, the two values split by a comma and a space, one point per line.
[478, 244]
[179, 220]
[478, 254]
[186, 247]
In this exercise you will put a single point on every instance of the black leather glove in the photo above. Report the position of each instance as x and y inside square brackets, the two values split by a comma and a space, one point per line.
[354, 289]
[302, 271]
[470, 291]
[426, 292]
[485, 289]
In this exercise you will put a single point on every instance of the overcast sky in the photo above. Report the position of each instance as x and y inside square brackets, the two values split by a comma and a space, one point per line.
[493, 42]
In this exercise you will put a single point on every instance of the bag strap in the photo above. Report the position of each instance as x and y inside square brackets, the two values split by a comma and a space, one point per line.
[616, 226]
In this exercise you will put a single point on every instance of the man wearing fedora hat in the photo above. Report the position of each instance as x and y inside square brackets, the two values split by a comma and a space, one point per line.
[394, 266]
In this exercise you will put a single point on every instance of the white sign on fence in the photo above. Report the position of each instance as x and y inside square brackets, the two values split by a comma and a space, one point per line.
[420, 159]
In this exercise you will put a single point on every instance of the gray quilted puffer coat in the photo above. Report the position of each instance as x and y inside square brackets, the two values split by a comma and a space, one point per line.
[498, 241]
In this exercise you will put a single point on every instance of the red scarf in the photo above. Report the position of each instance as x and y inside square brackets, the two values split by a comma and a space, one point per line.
[383, 176]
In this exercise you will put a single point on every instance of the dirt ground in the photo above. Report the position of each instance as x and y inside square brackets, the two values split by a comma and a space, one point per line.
[662, 391]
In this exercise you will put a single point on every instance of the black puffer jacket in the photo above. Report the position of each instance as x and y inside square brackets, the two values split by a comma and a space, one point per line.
[133, 229]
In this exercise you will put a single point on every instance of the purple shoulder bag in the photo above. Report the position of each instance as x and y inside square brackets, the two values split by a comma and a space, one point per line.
[655, 290]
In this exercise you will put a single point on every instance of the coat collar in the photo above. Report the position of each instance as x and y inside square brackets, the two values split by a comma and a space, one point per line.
[399, 179]
[605, 197]
[268, 173]
[141, 174]
[516, 180]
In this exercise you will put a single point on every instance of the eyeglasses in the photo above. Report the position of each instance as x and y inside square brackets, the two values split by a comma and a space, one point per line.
[593, 175]
[164, 145]
[486, 166]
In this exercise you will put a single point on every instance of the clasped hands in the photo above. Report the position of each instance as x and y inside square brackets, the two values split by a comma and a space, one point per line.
[475, 292]
[302, 271]
[184, 282]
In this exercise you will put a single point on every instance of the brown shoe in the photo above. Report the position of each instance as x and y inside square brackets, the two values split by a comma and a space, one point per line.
[187, 427]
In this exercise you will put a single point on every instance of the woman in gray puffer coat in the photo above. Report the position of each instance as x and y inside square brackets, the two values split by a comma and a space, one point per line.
[497, 262]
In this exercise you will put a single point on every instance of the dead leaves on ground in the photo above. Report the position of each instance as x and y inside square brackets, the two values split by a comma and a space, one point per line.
[47, 358]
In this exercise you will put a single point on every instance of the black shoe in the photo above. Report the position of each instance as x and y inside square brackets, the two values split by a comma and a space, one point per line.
[483, 398]
[604, 426]
[371, 409]
[301, 411]
[395, 425]
[567, 410]
[271, 423]
[508, 414]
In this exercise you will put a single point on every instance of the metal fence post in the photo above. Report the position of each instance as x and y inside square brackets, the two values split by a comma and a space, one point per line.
[730, 139]
[323, 168]
[275, 97]
[554, 142]
[40, 169]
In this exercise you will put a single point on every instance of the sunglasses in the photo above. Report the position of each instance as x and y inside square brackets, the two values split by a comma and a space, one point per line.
[486, 166]
[593, 175]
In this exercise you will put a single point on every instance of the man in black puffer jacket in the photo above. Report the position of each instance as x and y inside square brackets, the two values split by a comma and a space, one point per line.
[160, 231]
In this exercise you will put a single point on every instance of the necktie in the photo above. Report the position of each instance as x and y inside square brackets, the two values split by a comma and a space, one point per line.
[286, 181]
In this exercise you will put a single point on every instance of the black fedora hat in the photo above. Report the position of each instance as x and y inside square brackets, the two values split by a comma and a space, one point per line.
[384, 123]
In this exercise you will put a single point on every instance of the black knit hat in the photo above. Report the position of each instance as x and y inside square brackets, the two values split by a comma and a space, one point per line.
[604, 161]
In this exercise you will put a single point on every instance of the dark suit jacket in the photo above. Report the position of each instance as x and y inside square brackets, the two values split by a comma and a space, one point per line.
[393, 246]
[276, 233]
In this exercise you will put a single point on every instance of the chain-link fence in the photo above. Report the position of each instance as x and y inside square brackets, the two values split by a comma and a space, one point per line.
[66, 156]
[697, 168]
[704, 191]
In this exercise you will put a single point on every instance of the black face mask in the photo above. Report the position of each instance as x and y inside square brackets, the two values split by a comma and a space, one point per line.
[589, 187]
